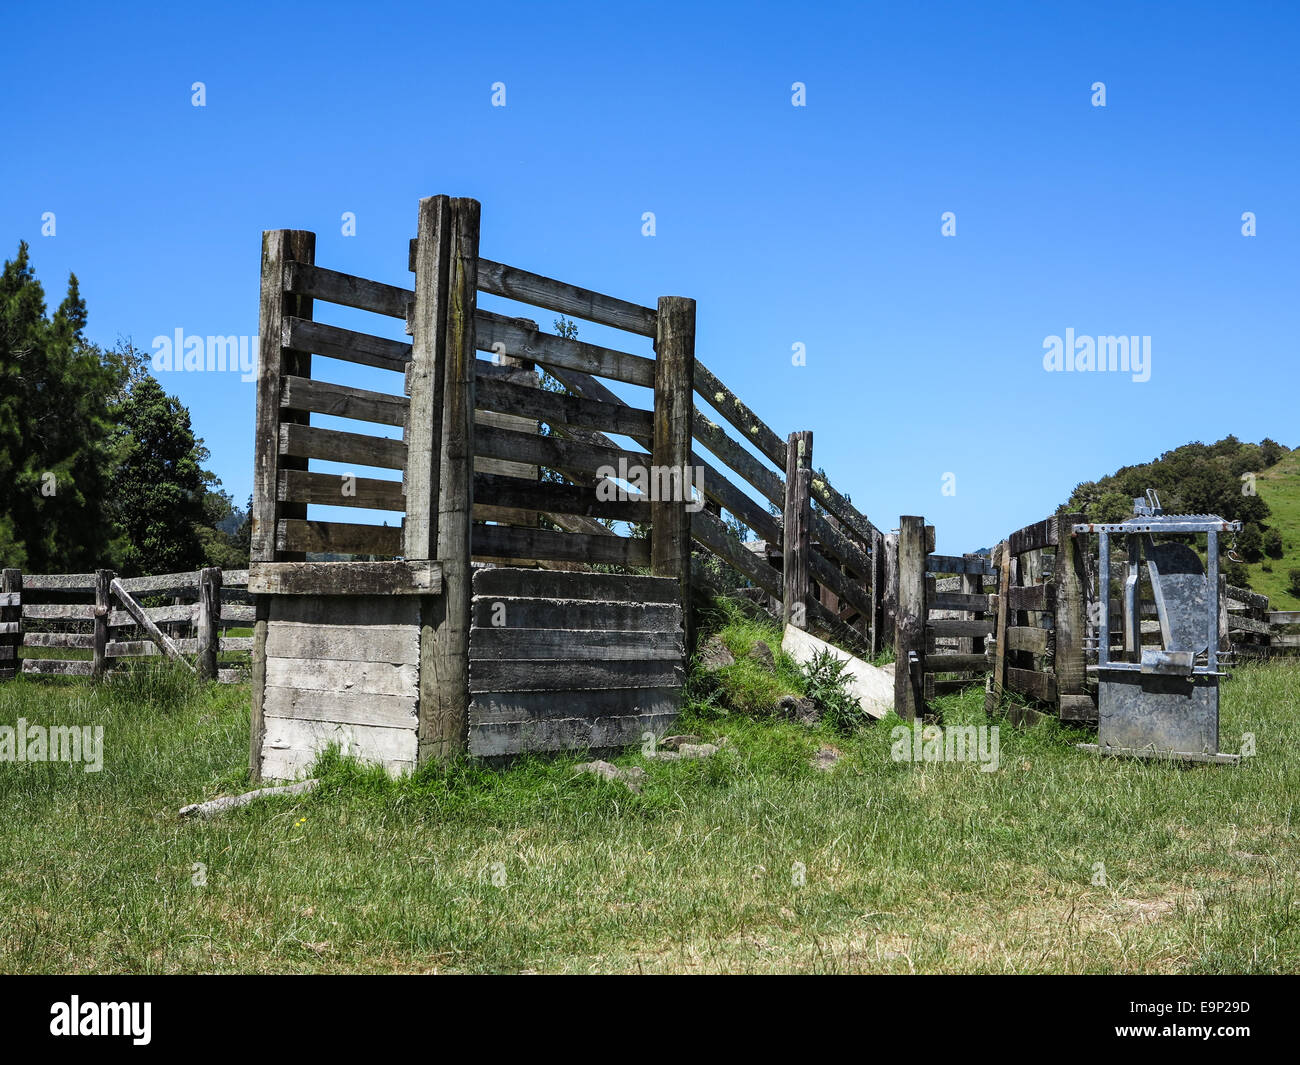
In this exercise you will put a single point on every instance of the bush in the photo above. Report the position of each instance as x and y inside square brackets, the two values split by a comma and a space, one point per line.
[1273, 543]
[824, 684]
[1294, 576]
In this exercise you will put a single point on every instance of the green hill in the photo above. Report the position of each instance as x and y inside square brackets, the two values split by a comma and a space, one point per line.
[1258, 484]
[1279, 487]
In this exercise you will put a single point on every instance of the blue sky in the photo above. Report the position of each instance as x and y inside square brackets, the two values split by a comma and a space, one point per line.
[817, 225]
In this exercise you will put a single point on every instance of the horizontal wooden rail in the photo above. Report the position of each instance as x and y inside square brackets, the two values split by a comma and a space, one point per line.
[304, 279]
[332, 445]
[516, 337]
[513, 283]
[558, 408]
[519, 494]
[502, 541]
[494, 443]
[333, 537]
[316, 338]
[342, 401]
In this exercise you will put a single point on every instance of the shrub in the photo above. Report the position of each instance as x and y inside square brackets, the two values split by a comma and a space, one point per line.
[825, 684]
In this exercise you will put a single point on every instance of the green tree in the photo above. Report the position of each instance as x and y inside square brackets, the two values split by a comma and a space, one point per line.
[159, 486]
[56, 428]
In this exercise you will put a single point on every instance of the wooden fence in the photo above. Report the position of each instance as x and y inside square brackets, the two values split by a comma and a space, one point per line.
[43, 616]
[1026, 618]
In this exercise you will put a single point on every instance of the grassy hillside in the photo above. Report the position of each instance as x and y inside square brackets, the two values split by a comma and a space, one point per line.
[1279, 487]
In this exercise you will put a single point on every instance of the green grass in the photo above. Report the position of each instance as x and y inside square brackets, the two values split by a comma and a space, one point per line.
[929, 868]
[1279, 487]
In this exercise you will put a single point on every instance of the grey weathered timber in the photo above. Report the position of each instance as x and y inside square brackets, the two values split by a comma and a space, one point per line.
[797, 543]
[70, 582]
[345, 344]
[163, 584]
[558, 408]
[1026, 638]
[670, 532]
[496, 332]
[337, 490]
[554, 498]
[488, 642]
[512, 582]
[516, 284]
[878, 632]
[1038, 597]
[969, 600]
[209, 622]
[57, 667]
[909, 625]
[993, 695]
[141, 618]
[103, 607]
[587, 459]
[954, 663]
[345, 578]
[280, 248]
[11, 613]
[537, 612]
[709, 531]
[82, 640]
[342, 707]
[1070, 621]
[298, 537]
[58, 611]
[333, 445]
[1041, 686]
[453, 225]
[729, 405]
[505, 542]
[849, 591]
[491, 675]
[593, 703]
[342, 401]
[957, 564]
[959, 627]
[890, 587]
[304, 279]
[1033, 537]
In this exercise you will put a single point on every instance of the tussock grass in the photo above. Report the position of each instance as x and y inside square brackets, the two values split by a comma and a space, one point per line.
[930, 868]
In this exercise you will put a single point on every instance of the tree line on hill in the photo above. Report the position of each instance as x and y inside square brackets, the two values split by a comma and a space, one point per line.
[100, 466]
[1197, 478]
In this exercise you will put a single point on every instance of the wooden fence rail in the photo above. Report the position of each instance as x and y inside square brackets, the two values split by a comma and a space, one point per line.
[102, 614]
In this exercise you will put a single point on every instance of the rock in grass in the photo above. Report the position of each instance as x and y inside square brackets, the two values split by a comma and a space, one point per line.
[798, 708]
[714, 655]
[631, 777]
[826, 758]
[762, 654]
[674, 742]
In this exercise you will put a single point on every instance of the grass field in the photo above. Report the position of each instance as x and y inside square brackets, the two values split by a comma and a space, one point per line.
[930, 867]
[1279, 487]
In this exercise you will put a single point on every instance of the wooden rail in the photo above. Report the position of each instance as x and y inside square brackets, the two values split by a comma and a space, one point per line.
[108, 620]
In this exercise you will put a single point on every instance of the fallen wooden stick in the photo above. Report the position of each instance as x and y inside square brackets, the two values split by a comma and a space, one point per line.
[210, 809]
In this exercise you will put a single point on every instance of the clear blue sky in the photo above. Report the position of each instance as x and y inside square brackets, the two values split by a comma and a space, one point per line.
[817, 225]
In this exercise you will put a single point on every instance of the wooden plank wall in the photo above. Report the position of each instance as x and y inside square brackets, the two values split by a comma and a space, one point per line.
[340, 669]
[563, 660]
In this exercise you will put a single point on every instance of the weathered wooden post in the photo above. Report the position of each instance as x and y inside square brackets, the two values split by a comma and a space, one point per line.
[440, 461]
[993, 694]
[909, 625]
[209, 621]
[890, 593]
[103, 608]
[796, 539]
[877, 592]
[670, 454]
[1070, 621]
[11, 623]
[275, 361]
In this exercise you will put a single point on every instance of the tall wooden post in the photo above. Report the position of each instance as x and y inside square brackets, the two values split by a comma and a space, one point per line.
[796, 539]
[11, 623]
[274, 362]
[877, 592]
[440, 464]
[993, 694]
[1070, 621]
[889, 594]
[209, 621]
[103, 607]
[909, 626]
[670, 453]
